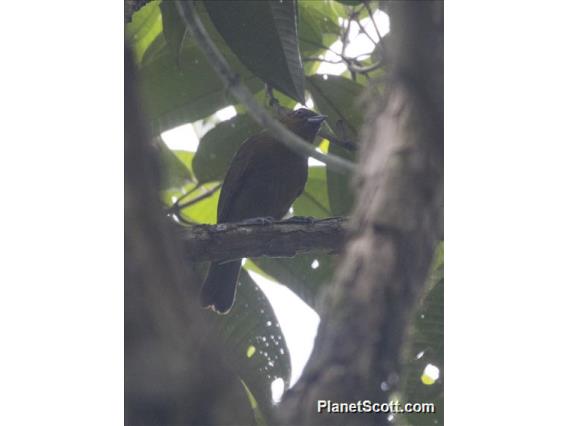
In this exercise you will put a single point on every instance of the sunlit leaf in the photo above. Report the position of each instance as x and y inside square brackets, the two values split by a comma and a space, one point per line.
[316, 20]
[205, 211]
[145, 26]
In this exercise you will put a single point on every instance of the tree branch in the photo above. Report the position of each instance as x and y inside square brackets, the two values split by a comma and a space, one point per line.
[284, 238]
[189, 15]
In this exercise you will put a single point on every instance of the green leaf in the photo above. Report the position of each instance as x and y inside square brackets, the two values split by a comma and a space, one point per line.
[337, 98]
[205, 211]
[314, 200]
[262, 98]
[256, 347]
[340, 192]
[177, 92]
[145, 26]
[301, 274]
[174, 174]
[258, 415]
[217, 147]
[350, 2]
[316, 20]
[427, 339]
[264, 35]
[174, 27]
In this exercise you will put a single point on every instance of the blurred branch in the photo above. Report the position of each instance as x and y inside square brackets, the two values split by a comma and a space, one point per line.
[232, 81]
[316, 59]
[364, 70]
[351, 63]
[344, 143]
[284, 238]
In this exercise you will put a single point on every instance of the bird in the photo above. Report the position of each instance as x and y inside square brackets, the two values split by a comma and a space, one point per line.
[263, 180]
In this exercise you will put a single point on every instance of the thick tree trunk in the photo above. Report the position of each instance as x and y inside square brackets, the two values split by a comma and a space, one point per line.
[397, 222]
[173, 375]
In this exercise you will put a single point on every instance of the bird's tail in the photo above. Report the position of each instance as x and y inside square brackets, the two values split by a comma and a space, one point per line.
[218, 291]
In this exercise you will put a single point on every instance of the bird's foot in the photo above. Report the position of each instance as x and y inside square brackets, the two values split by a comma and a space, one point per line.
[266, 220]
[301, 220]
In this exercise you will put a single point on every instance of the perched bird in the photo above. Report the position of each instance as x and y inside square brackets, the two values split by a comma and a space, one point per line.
[263, 180]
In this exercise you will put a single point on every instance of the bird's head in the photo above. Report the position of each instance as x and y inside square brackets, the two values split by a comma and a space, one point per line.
[304, 123]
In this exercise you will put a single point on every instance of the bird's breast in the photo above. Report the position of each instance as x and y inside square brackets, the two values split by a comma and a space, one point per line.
[272, 182]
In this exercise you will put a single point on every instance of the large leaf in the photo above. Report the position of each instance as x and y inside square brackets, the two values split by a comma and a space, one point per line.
[337, 97]
[217, 147]
[255, 345]
[264, 35]
[177, 92]
[305, 275]
[314, 200]
[145, 26]
[316, 20]
[427, 347]
[174, 174]
[174, 26]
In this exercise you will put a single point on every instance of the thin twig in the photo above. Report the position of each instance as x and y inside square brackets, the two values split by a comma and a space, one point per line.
[187, 194]
[373, 21]
[199, 198]
[176, 208]
[188, 13]
[316, 59]
[364, 70]
[321, 46]
[345, 35]
[364, 31]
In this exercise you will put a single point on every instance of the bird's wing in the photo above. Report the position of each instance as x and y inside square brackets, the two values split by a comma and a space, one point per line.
[234, 178]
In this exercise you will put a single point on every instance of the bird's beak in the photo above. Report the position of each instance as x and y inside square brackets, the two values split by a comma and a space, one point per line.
[317, 119]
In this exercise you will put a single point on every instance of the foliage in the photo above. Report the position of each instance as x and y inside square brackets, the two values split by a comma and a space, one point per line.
[283, 45]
